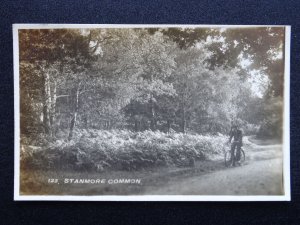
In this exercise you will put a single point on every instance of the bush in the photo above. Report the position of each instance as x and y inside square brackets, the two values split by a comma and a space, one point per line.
[123, 150]
[270, 128]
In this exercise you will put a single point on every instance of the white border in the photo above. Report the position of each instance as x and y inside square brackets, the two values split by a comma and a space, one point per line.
[286, 135]
[286, 116]
[17, 114]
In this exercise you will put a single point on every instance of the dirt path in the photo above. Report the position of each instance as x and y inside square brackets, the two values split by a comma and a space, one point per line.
[260, 175]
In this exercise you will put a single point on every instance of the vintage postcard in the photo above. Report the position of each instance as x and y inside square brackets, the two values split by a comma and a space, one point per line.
[151, 112]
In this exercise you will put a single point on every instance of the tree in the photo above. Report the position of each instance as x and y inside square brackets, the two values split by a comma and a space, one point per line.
[155, 66]
[53, 54]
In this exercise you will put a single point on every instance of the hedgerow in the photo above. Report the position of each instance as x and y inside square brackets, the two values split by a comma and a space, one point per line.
[121, 150]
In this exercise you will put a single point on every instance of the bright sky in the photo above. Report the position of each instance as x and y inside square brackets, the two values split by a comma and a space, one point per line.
[259, 82]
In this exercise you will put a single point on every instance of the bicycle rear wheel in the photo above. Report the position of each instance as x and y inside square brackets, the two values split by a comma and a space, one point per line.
[227, 157]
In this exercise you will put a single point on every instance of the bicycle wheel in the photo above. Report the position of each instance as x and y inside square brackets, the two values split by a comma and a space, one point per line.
[243, 156]
[227, 157]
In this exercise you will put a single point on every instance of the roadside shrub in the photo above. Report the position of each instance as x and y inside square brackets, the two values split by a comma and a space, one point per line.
[122, 150]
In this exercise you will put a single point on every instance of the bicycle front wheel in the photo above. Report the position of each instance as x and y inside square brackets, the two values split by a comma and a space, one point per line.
[243, 156]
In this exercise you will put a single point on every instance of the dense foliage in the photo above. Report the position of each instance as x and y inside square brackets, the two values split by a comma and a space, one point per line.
[160, 79]
[95, 150]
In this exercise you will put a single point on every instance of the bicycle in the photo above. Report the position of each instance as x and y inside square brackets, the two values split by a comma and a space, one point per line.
[227, 155]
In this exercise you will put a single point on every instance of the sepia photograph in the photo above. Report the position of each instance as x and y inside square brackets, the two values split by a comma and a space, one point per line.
[151, 112]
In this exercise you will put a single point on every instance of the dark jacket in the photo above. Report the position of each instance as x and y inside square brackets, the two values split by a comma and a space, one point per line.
[237, 136]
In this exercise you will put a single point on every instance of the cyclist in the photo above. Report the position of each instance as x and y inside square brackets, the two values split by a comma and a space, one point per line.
[237, 143]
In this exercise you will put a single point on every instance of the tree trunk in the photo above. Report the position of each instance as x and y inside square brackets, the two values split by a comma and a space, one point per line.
[74, 118]
[86, 122]
[152, 118]
[46, 104]
[183, 100]
[169, 122]
[136, 126]
[137, 123]
[53, 111]
[183, 120]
